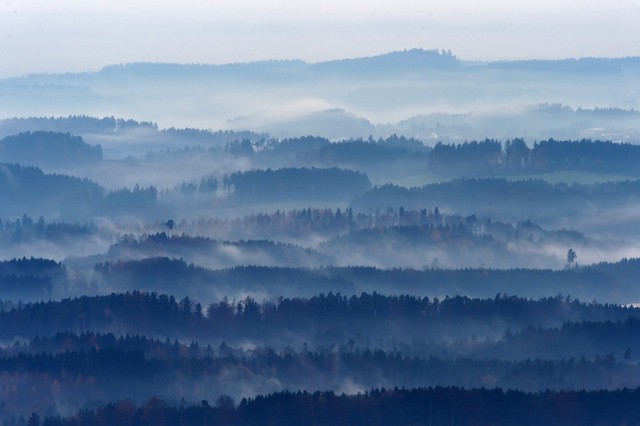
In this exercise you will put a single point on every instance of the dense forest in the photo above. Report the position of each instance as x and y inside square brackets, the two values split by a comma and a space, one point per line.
[96, 348]
[433, 405]
[155, 275]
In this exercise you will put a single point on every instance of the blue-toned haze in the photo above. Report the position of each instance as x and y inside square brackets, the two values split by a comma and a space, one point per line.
[61, 36]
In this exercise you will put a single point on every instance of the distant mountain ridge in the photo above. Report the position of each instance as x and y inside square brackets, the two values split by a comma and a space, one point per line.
[405, 60]
[571, 64]
[347, 98]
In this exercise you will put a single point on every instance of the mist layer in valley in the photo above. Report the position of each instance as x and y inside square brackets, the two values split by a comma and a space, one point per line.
[408, 220]
[431, 95]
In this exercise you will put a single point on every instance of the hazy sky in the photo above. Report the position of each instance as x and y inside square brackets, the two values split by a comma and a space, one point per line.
[65, 35]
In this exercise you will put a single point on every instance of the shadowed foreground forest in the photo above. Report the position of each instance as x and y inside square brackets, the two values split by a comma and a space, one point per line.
[429, 406]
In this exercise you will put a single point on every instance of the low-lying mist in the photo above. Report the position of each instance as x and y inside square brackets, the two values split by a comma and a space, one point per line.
[406, 220]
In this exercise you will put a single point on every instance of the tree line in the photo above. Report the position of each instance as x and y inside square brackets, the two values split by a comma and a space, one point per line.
[27, 190]
[175, 275]
[429, 406]
[515, 156]
[528, 198]
[152, 313]
[295, 184]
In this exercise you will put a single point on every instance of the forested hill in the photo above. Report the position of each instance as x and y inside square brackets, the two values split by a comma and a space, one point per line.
[491, 157]
[610, 282]
[530, 198]
[28, 190]
[273, 96]
[581, 65]
[412, 60]
[401, 407]
[48, 149]
[381, 317]
[296, 184]
[29, 279]
[93, 348]
[85, 126]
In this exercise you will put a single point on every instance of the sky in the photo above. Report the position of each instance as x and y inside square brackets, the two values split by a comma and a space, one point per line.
[70, 36]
